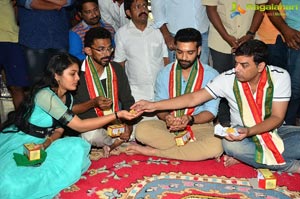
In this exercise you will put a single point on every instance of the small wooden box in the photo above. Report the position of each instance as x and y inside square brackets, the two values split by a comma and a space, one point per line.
[31, 152]
[266, 179]
[115, 130]
[182, 138]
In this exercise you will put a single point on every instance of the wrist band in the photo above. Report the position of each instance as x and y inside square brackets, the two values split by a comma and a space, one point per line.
[192, 121]
[250, 33]
[50, 139]
[116, 114]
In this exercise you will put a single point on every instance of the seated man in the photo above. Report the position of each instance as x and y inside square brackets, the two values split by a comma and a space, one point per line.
[88, 11]
[258, 96]
[103, 88]
[187, 74]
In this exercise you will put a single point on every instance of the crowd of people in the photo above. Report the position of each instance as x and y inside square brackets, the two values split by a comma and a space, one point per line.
[74, 68]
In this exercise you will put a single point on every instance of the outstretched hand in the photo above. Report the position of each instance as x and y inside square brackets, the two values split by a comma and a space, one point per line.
[143, 106]
[124, 114]
[243, 133]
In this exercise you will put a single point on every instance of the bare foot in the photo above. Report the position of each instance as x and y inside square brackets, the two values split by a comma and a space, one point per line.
[229, 161]
[138, 149]
[106, 150]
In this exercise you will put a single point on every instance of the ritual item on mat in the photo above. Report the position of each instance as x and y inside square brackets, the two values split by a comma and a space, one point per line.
[266, 179]
[182, 138]
[22, 159]
[32, 152]
[137, 176]
[115, 130]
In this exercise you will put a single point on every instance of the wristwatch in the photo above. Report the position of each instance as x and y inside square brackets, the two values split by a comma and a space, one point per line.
[192, 120]
[250, 33]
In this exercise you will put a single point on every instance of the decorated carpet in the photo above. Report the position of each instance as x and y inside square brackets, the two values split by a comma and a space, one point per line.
[142, 177]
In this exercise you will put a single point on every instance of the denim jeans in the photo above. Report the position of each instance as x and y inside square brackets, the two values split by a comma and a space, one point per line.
[204, 57]
[293, 67]
[37, 60]
[278, 53]
[245, 150]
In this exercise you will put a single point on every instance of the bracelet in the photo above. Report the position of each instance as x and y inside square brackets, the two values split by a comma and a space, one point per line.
[192, 121]
[250, 33]
[116, 114]
[49, 138]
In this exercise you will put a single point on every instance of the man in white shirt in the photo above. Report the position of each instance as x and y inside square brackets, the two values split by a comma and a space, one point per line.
[173, 15]
[258, 96]
[112, 12]
[140, 49]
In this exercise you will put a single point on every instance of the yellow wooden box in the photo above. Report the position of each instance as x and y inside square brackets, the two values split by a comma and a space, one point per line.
[31, 152]
[115, 130]
[182, 138]
[266, 179]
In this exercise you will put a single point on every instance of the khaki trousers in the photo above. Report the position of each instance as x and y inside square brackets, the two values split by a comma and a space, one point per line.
[154, 133]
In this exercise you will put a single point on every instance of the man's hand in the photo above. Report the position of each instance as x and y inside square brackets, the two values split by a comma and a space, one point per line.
[143, 106]
[292, 38]
[233, 42]
[245, 38]
[179, 123]
[170, 42]
[243, 133]
[102, 102]
[126, 135]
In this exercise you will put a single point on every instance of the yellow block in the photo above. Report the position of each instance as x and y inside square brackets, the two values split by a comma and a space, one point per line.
[31, 152]
[115, 130]
[266, 179]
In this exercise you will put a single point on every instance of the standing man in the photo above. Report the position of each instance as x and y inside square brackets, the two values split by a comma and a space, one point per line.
[258, 95]
[231, 25]
[173, 15]
[290, 29]
[103, 88]
[44, 26]
[140, 49]
[112, 12]
[88, 11]
[12, 57]
[186, 75]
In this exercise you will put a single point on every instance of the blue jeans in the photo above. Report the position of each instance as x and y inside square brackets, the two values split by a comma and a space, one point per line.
[293, 67]
[245, 150]
[37, 60]
[204, 57]
[278, 53]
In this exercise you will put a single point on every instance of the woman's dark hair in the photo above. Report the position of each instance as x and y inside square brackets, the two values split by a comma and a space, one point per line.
[255, 48]
[57, 64]
[188, 35]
